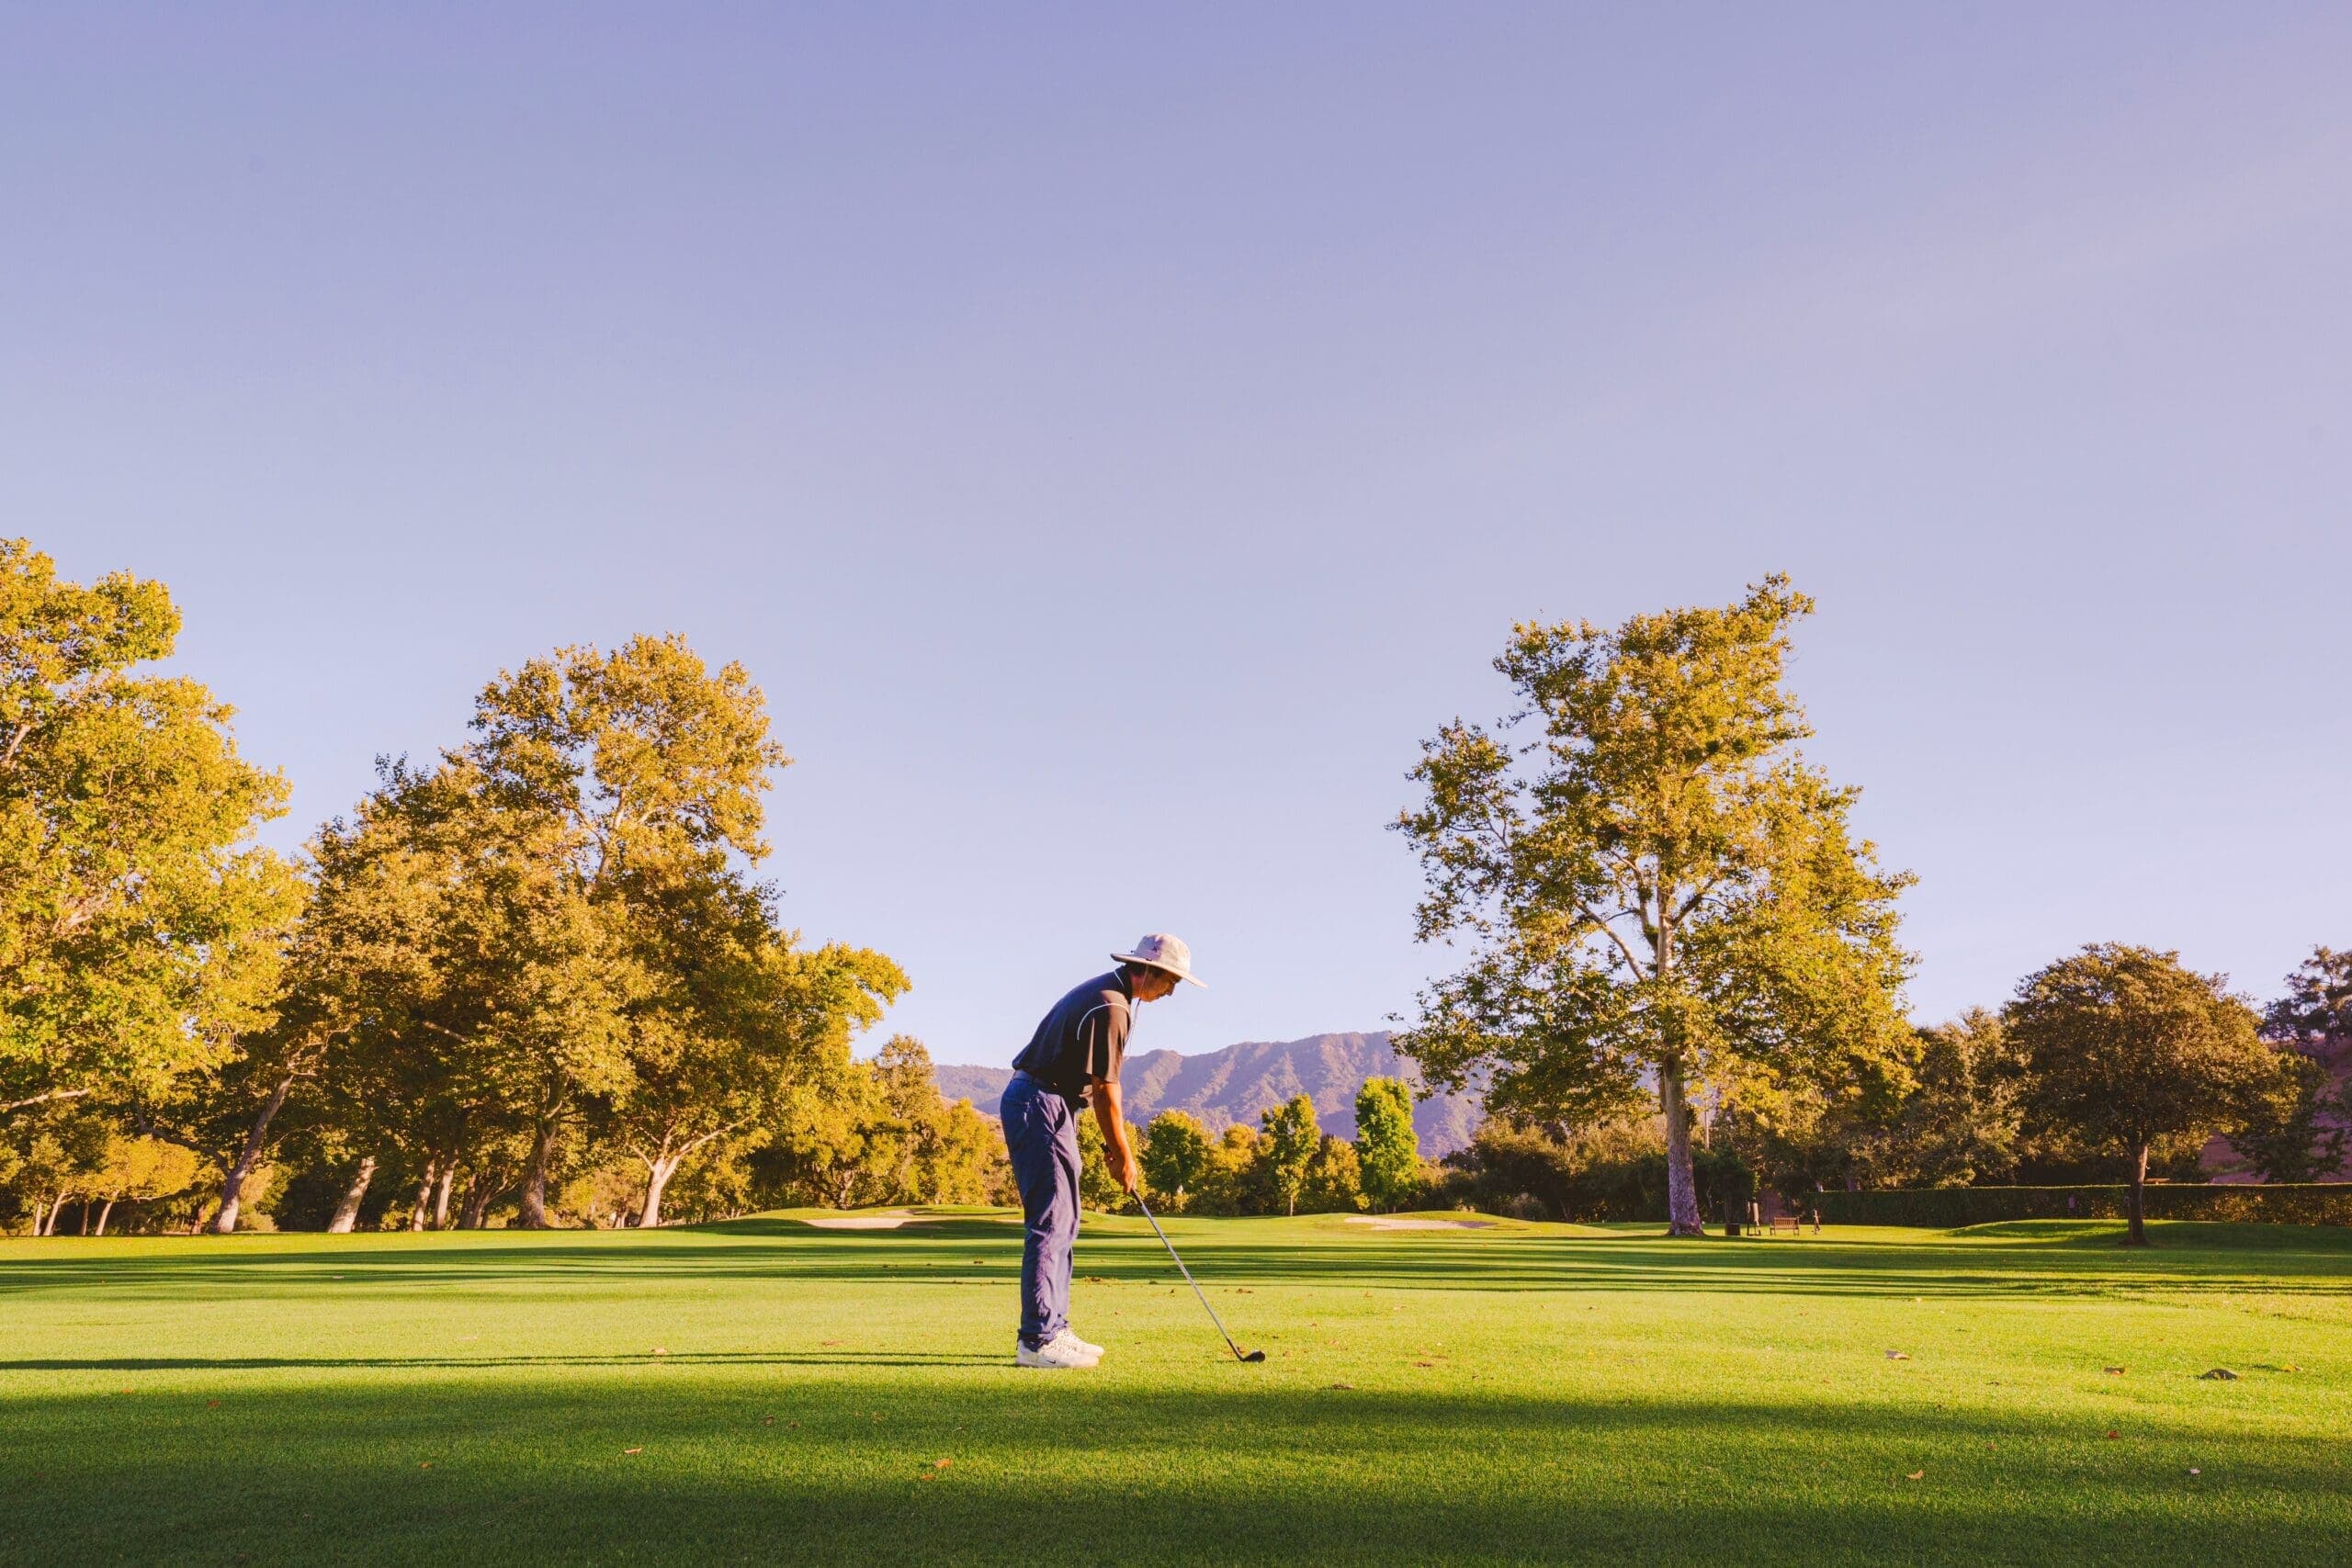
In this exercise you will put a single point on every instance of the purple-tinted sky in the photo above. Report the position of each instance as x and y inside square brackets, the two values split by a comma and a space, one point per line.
[1114, 434]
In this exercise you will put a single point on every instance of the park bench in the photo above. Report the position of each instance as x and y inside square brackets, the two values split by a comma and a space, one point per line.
[1786, 1223]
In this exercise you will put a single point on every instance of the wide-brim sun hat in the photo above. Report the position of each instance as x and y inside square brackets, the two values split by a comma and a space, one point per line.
[1161, 951]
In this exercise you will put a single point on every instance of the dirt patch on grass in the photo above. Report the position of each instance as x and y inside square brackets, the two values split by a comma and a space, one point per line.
[1383, 1223]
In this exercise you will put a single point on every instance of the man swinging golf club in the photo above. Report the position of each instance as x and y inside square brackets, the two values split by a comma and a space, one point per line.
[1073, 1059]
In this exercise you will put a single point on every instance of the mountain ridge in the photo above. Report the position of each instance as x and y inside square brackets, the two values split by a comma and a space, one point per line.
[1234, 1084]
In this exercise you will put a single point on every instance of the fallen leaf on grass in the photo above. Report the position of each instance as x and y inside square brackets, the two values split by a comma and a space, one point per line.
[2195, 1471]
[1897, 1356]
[212, 1404]
[426, 1464]
[635, 1450]
[2113, 1433]
[1346, 1385]
[659, 1350]
[828, 1343]
[2115, 1371]
[767, 1420]
[941, 1463]
[1917, 1475]
[2219, 1375]
[1425, 1364]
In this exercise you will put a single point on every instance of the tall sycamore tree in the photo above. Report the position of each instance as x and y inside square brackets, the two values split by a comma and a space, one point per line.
[651, 768]
[141, 932]
[1659, 894]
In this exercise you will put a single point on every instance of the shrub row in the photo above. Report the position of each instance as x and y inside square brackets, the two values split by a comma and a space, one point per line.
[1946, 1208]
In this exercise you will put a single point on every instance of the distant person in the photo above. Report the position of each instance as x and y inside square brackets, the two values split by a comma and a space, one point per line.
[1074, 1057]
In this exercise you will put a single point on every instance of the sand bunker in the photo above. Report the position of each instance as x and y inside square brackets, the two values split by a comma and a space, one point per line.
[859, 1221]
[1383, 1223]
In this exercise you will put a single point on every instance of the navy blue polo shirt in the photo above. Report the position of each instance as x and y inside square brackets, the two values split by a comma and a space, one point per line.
[1082, 1039]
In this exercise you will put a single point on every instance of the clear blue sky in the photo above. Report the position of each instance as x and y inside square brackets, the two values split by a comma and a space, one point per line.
[1115, 434]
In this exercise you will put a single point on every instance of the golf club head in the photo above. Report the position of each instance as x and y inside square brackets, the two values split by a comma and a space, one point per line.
[1255, 1356]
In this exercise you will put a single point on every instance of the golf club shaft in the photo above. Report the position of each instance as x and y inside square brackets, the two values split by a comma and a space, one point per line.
[1188, 1278]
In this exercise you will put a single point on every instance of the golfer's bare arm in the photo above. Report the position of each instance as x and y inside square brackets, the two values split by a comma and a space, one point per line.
[1121, 1159]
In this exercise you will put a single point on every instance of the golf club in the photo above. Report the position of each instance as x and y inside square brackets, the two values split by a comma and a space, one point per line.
[1237, 1355]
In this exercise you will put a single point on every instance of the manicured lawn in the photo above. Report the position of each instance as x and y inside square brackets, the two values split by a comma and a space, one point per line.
[767, 1391]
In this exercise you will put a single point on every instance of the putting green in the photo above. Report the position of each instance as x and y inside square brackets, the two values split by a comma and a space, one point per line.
[770, 1390]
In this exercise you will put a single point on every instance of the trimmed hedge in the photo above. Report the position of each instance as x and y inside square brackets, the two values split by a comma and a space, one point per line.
[1949, 1208]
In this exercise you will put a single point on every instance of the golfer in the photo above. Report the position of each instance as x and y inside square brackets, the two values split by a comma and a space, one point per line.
[1074, 1059]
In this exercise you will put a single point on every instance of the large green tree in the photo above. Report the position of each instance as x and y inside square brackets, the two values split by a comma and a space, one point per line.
[2300, 1134]
[141, 931]
[1957, 1125]
[1177, 1159]
[1292, 1139]
[651, 768]
[1388, 1151]
[1660, 894]
[452, 969]
[2134, 1053]
[947, 1152]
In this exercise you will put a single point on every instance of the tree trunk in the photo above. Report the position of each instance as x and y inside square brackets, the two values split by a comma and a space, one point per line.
[346, 1213]
[1682, 1184]
[2138, 1236]
[54, 1210]
[257, 1139]
[102, 1216]
[423, 1200]
[85, 1216]
[533, 1216]
[441, 1196]
[479, 1194]
[658, 1174]
[40, 1209]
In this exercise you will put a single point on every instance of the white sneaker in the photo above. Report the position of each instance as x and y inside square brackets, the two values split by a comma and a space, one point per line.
[1064, 1352]
[1089, 1347]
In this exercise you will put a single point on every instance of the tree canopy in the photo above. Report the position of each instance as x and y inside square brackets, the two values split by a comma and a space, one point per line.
[1176, 1160]
[141, 931]
[2128, 1051]
[1659, 893]
[1388, 1152]
[1292, 1139]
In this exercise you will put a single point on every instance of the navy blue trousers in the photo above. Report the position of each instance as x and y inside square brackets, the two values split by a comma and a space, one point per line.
[1041, 1134]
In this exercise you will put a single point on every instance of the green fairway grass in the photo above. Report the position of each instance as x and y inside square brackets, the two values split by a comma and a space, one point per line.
[768, 1392]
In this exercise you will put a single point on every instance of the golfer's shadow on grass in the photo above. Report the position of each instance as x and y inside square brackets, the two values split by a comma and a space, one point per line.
[685, 1359]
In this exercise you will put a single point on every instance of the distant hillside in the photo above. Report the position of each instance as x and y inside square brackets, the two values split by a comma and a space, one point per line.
[1233, 1085]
